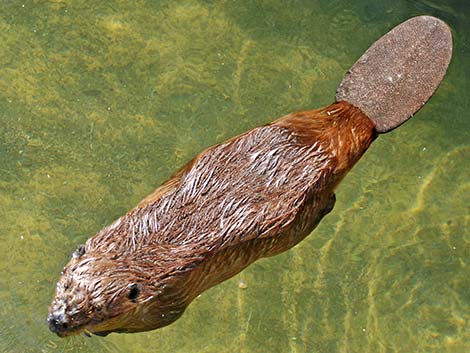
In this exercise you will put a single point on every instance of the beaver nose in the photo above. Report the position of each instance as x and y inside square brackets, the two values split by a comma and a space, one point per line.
[56, 323]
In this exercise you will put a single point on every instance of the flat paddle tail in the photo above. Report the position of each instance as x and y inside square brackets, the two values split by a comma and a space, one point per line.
[395, 77]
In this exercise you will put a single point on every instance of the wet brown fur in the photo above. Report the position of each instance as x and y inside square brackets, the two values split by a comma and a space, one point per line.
[254, 196]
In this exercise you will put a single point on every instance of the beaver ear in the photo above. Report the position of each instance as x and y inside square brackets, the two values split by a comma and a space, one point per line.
[79, 252]
[134, 291]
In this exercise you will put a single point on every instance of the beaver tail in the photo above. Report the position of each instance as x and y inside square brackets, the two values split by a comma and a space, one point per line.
[395, 77]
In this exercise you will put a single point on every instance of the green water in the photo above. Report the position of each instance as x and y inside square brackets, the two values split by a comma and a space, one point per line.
[101, 101]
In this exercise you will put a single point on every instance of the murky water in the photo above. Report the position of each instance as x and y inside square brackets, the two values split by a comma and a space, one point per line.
[101, 101]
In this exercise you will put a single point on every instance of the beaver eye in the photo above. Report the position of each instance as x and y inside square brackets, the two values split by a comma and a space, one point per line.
[134, 291]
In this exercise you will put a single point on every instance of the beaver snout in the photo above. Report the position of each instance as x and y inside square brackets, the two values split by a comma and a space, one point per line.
[57, 323]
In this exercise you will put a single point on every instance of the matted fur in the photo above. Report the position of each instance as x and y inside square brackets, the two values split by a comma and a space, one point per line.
[253, 196]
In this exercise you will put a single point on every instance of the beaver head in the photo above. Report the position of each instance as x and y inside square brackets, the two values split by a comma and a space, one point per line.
[108, 292]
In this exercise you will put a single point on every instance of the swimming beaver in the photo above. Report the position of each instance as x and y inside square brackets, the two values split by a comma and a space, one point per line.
[254, 196]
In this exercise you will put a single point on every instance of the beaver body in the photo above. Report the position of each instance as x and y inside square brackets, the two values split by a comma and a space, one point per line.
[254, 196]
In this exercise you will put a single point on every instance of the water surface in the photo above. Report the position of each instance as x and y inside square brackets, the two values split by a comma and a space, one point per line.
[101, 101]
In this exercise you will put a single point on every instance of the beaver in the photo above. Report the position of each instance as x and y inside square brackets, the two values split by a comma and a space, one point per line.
[253, 196]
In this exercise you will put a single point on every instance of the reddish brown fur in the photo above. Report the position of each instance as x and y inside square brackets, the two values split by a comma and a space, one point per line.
[253, 196]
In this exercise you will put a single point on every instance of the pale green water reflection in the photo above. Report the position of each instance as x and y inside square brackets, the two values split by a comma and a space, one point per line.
[101, 101]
